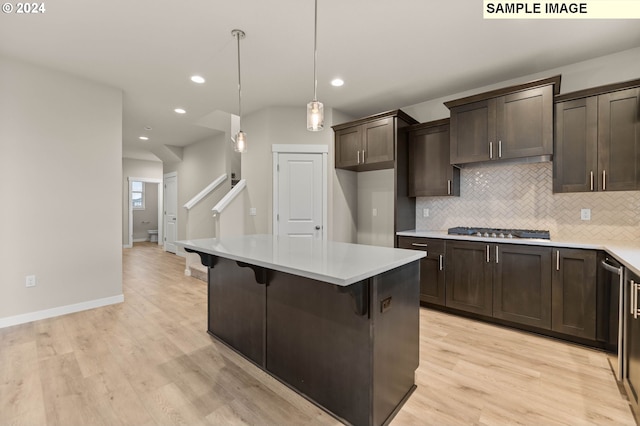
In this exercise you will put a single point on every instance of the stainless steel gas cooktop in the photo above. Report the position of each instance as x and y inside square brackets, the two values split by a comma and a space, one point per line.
[500, 233]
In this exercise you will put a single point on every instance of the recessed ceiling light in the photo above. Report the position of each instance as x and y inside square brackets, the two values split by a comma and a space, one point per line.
[197, 79]
[337, 82]
[144, 138]
[180, 111]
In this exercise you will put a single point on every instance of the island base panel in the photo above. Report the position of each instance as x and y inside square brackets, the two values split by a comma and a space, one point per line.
[237, 308]
[357, 363]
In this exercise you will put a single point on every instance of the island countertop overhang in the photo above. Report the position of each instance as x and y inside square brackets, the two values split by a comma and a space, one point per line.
[334, 262]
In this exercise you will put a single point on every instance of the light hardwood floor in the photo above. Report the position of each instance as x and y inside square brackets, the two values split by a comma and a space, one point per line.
[149, 361]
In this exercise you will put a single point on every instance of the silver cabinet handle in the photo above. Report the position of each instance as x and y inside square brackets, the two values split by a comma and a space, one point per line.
[634, 296]
[499, 149]
[363, 161]
[632, 286]
[419, 245]
[497, 255]
[592, 180]
[557, 260]
[490, 149]
[449, 187]
[358, 156]
[488, 260]
[604, 180]
[441, 262]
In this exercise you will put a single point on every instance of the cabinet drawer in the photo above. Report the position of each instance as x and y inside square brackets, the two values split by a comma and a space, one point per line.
[421, 243]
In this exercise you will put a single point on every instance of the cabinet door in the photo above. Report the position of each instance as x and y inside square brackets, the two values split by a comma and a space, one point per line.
[432, 282]
[378, 141]
[430, 171]
[473, 132]
[348, 143]
[575, 159]
[574, 292]
[468, 275]
[522, 284]
[619, 140]
[525, 123]
[632, 346]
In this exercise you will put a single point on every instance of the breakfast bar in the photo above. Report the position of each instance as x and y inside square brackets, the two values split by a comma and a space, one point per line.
[336, 322]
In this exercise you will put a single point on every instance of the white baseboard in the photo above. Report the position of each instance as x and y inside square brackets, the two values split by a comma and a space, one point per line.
[127, 246]
[60, 310]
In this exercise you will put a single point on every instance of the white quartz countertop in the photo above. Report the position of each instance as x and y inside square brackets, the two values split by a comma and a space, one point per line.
[626, 252]
[337, 263]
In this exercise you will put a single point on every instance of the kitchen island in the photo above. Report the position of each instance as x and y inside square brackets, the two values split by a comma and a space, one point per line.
[337, 322]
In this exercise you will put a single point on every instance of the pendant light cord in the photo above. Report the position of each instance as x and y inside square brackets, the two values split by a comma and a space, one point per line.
[315, 52]
[238, 33]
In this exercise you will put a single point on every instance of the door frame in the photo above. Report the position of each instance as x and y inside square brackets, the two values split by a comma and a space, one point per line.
[160, 207]
[164, 207]
[278, 149]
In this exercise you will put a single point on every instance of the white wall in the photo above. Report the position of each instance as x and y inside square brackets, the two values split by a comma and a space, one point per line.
[60, 182]
[277, 125]
[201, 164]
[135, 168]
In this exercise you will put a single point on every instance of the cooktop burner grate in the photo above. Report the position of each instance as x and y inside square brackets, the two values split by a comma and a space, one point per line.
[500, 233]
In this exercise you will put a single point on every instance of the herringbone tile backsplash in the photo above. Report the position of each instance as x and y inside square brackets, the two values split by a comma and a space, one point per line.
[521, 196]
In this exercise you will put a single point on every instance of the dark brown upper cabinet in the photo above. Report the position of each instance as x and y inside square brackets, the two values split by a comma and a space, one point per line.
[430, 171]
[369, 143]
[597, 138]
[508, 123]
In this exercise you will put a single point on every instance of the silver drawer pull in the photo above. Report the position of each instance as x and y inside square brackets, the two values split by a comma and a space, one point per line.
[419, 245]
[488, 260]
[441, 262]
[592, 180]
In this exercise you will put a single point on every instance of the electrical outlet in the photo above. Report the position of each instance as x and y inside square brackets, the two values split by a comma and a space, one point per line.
[30, 281]
[375, 212]
[585, 214]
[425, 212]
[252, 211]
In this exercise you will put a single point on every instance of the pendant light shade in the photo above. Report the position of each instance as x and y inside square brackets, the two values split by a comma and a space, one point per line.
[240, 141]
[315, 109]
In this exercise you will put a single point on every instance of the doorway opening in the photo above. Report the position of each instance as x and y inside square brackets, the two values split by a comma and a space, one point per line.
[145, 210]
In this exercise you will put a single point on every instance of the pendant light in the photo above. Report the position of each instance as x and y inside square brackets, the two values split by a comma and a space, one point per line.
[240, 142]
[315, 109]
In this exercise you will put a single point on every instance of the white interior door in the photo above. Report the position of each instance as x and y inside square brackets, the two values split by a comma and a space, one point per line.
[170, 211]
[299, 208]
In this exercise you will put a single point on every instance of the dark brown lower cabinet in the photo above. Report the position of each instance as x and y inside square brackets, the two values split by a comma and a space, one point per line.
[432, 277]
[632, 344]
[522, 284]
[546, 288]
[574, 292]
[469, 275]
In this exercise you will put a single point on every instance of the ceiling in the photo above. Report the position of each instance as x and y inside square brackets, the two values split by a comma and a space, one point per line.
[390, 54]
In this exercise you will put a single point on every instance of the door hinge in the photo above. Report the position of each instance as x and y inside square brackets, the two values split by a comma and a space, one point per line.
[278, 167]
[278, 217]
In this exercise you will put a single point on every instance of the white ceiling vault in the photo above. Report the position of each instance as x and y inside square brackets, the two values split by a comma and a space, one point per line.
[390, 53]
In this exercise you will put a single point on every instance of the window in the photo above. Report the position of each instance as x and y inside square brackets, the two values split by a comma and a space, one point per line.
[137, 195]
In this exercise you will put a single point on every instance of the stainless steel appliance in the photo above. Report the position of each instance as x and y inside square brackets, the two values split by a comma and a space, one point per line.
[614, 292]
[499, 232]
